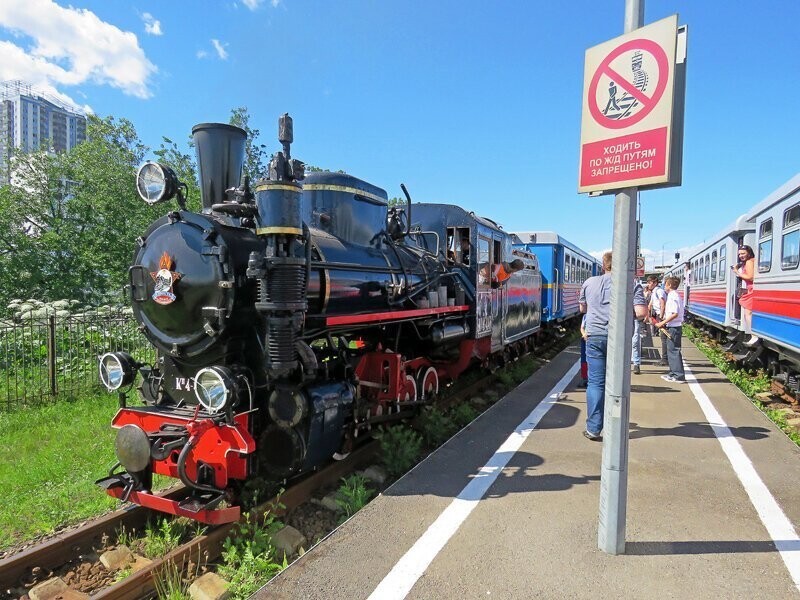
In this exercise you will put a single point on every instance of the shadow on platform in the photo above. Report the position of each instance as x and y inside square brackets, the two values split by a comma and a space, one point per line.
[708, 547]
[696, 430]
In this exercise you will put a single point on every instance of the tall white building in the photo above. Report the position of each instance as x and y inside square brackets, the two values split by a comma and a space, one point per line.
[29, 119]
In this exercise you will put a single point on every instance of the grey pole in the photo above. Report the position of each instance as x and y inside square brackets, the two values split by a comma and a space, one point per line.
[614, 473]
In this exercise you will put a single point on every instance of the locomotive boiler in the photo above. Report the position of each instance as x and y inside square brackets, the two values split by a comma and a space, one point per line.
[290, 316]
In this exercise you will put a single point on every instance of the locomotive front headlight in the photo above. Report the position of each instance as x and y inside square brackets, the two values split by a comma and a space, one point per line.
[156, 182]
[214, 388]
[117, 369]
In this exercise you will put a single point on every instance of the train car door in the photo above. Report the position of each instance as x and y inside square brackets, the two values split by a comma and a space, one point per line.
[558, 279]
[483, 294]
[499, 298]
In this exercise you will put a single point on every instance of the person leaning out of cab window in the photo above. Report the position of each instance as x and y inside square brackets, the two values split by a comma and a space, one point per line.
[502, 272]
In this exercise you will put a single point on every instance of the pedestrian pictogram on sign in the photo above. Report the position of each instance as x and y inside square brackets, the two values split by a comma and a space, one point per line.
[626, 127]
[637, 74]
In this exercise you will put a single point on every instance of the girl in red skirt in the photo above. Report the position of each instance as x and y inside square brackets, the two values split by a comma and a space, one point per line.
[745, 269]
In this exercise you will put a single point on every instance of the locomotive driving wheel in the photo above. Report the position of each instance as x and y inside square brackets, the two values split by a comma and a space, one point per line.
[427, 383]
[409, 392]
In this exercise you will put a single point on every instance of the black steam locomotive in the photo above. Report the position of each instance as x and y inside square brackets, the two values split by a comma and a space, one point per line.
[292, 316]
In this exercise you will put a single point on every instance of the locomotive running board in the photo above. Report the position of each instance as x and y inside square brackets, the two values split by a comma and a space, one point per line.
[115, 487]
[394, 315]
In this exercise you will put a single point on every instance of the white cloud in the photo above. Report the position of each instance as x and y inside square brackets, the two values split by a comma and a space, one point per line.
[254, 4]
[151, 24]
[220, 48]
[70, 46]
[659, 257]
[202, 54]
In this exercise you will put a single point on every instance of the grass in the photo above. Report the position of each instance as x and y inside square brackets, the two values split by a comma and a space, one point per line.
[249, 558]
[353, 495]
[400, 449]
[50, 457]
[751, 383]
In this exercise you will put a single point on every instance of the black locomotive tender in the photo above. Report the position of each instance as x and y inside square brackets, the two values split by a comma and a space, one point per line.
[292, 317]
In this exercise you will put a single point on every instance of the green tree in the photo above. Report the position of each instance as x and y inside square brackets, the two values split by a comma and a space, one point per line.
[256, 155]
[70, 220]
[185, 168]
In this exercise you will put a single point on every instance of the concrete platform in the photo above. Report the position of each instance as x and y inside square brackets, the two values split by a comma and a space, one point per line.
[693, 529]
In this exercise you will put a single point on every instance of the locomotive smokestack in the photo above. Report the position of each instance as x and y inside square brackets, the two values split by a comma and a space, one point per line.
[220, 156]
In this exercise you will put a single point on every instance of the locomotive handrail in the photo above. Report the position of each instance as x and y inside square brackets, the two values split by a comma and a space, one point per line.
[555, 293]
[433, 233]
[408, 211]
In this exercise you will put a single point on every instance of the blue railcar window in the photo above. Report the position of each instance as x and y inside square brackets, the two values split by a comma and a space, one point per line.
[790, 245]
[765, 246]
[723, 262]
[707, 269]
[790, 251]
[714, 266]
[791, 217]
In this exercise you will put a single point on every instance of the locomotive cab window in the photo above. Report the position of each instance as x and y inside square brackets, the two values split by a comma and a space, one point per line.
[765, 246]
[790, 244]
[723, 262]
[484, 262]
[458, 245]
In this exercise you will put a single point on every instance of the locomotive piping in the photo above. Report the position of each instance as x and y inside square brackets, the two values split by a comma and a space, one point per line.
[182, 469]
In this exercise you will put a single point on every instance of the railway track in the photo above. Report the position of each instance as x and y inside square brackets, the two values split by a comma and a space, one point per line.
[64, 549]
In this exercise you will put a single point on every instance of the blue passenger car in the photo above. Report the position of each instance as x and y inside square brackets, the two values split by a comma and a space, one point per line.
[564, 268]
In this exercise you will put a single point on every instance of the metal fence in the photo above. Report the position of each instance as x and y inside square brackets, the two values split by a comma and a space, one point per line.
[46, 355]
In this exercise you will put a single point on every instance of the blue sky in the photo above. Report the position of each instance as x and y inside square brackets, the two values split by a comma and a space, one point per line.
[472, 103]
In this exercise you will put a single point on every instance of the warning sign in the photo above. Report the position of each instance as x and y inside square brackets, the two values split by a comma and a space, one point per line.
[640, 266]
[628, 109]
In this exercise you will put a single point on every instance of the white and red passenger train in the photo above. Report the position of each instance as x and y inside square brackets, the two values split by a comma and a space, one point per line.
[772, 229]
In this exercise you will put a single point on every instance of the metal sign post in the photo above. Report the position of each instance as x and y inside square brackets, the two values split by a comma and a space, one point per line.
[631, 138]
[614, 473]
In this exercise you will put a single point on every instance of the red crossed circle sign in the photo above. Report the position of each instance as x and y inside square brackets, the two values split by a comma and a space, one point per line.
[648, 102]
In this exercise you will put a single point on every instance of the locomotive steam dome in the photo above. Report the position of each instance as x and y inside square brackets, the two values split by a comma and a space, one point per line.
[344, 206]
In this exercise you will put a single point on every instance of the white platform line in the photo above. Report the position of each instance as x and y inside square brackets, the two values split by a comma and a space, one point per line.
[778, 526]
[413, 564]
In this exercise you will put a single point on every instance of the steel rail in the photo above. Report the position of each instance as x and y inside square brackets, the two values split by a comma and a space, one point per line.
[63, 547]
[207, 547]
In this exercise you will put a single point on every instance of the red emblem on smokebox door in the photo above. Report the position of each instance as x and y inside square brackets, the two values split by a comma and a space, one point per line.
[164, 279]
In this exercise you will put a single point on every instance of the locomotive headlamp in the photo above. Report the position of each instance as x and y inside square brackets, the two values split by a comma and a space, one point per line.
[117, 369]
[156, 182]
[215, 388]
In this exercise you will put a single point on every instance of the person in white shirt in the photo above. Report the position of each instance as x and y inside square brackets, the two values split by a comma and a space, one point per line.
[673, 322]
[658, 300]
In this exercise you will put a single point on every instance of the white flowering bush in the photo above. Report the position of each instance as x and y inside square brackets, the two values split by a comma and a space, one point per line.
[66, 335]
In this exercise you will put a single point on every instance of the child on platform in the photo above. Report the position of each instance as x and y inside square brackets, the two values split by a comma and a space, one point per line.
[673, 321]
